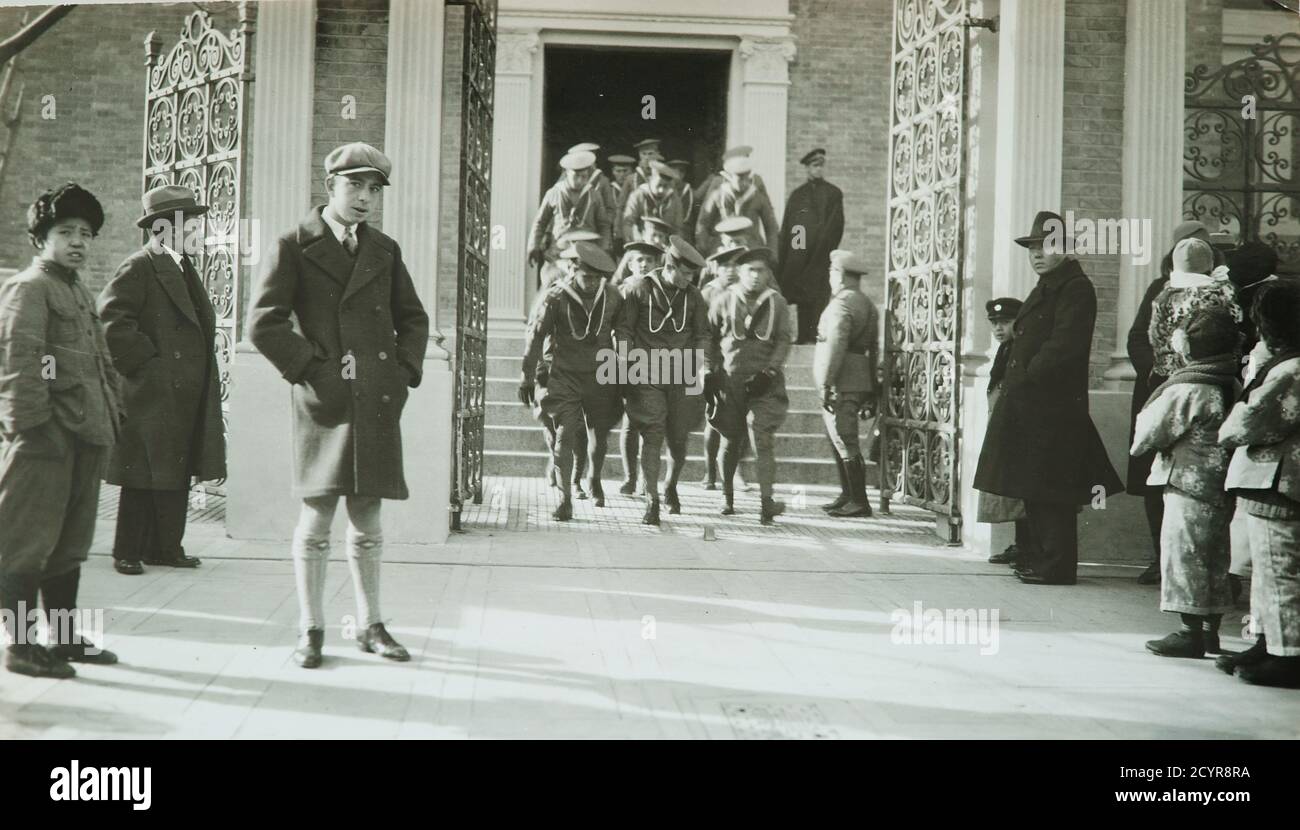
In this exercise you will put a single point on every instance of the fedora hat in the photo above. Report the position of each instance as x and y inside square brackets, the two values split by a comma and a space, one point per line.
[1046, 224]
[166, 201]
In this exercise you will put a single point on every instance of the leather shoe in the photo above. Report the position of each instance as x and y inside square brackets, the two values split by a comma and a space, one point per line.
[1189, 644]
[81, 650]
[1006, 557]
[34, 660]
[377, 640]
[180, 560]
[130, 567]
[310, 643]
[1231, 661]
[1030, 576]
[1283, 672]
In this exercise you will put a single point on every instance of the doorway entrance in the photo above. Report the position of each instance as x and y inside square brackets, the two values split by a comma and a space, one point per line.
[599, 94]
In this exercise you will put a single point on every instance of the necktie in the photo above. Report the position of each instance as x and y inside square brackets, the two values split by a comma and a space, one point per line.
[350, 240]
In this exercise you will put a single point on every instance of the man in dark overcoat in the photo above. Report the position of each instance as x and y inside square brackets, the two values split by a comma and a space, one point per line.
[358, 348]
[1041, 445]
[811, 228]
[161, 329]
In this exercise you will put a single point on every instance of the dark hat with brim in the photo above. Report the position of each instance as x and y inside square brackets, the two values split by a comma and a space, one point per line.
[727, 255]
[643, 247]
[1003, 308]
[1251, 264]
[577, 235]
[621, 159]
[1046, 224]
[646, 143]
[591, 255]
[813, 155]
[658, 224]
[665, 170]
[683, 251]
[759, 254]
[167, 201]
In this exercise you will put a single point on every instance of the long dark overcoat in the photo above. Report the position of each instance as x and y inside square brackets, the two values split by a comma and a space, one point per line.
[163, 345]
[1041, 444]
[816, 206]
[357, 348]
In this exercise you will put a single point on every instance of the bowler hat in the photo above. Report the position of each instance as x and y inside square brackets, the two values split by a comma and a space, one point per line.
[1046, 223]
[167, 200]
[358, 157]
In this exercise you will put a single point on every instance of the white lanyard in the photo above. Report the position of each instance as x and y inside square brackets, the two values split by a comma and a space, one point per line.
[600, 298]
[650, 306]
[742, 332]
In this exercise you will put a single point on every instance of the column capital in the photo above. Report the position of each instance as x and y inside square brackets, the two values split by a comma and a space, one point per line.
[767, 59]
[515, 50]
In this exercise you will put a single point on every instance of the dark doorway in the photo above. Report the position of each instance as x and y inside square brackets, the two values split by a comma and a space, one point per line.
[596, 94]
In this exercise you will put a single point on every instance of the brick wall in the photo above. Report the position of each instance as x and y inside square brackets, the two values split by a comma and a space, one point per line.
[351, 59]
[92, 63]
[1092, 156]
[839, 99]
[1205, 33]
[449, 209]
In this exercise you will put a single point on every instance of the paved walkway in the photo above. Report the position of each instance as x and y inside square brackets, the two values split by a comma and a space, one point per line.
[601, 629]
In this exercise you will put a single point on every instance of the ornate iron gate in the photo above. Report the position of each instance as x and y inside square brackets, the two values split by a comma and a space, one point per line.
[195, 117]
[478, 80]
[1240, 173]
[919, 424]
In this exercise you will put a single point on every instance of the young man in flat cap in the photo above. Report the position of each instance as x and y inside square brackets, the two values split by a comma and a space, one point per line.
[738, 195]
[59, 412]
[161, 328]
[570, 204]
[993, 508]
[355, 352]
[656, 198]
[578, 318]
[749, 340]
[665, 316]
[811, 228]
[1041, 445]
[844, 368]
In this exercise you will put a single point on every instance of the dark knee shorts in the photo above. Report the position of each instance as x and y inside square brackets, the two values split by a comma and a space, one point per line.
[666, 411]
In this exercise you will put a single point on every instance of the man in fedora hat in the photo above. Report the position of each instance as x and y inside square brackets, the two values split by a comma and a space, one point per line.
[571, 204]
[656, 198]
[811, 228]
[574, 321]
[59, 414]
[739, 194]
[162, 328]
[335, 311]
[1041, 445]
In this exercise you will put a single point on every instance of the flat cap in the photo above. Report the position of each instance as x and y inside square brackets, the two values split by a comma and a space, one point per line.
[643, 247]
[683, 251]
[657, 223]
[580, 160]
[586, 146]
[577, 235]
[726, 255]
[813, 155]
[763, 255]
[621, 159]
[646, 143]
[734, 224]
[1003, 308]
[590, 255]
[848, 262]
[358, 157]
[664, 170]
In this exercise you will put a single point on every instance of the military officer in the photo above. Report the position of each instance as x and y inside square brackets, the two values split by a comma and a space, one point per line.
[580, 317]
[738, 194]
[665, 316]
[844, 368]
[657, 198]
[749, 340]
[647, 150]
[569, 204]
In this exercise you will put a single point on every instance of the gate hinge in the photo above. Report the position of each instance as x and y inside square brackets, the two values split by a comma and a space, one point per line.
[990, 23]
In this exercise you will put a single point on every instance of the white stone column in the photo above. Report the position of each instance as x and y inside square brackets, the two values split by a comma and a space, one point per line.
[765, 88]
[1031, 97]
[1153, 152]
[518, 58]
[259, 504]
[412, 139]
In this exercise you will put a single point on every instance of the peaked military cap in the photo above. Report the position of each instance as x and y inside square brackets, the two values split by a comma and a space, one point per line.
[664, 170]
[646, 143]
[1003, 308]
[577, 235]
[621, 159]
[658, 224]
[727, 255]
[590, 255]
[586, 146]
[683, 251]
[358, 157]
[813, 155]
[759, 254]
[580, 160]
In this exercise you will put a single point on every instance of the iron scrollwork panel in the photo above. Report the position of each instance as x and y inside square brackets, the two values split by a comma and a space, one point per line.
[477, 88]
[920, 420]
[196, 103]
[1241, 148]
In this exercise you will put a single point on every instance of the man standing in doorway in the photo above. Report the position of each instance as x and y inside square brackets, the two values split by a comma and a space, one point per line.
[1041, 445]
[812, 227]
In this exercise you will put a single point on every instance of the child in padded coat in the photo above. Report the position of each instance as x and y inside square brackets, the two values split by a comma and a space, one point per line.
[1181, 422]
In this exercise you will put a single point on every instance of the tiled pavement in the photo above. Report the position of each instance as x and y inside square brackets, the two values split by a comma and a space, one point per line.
[603, 628]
